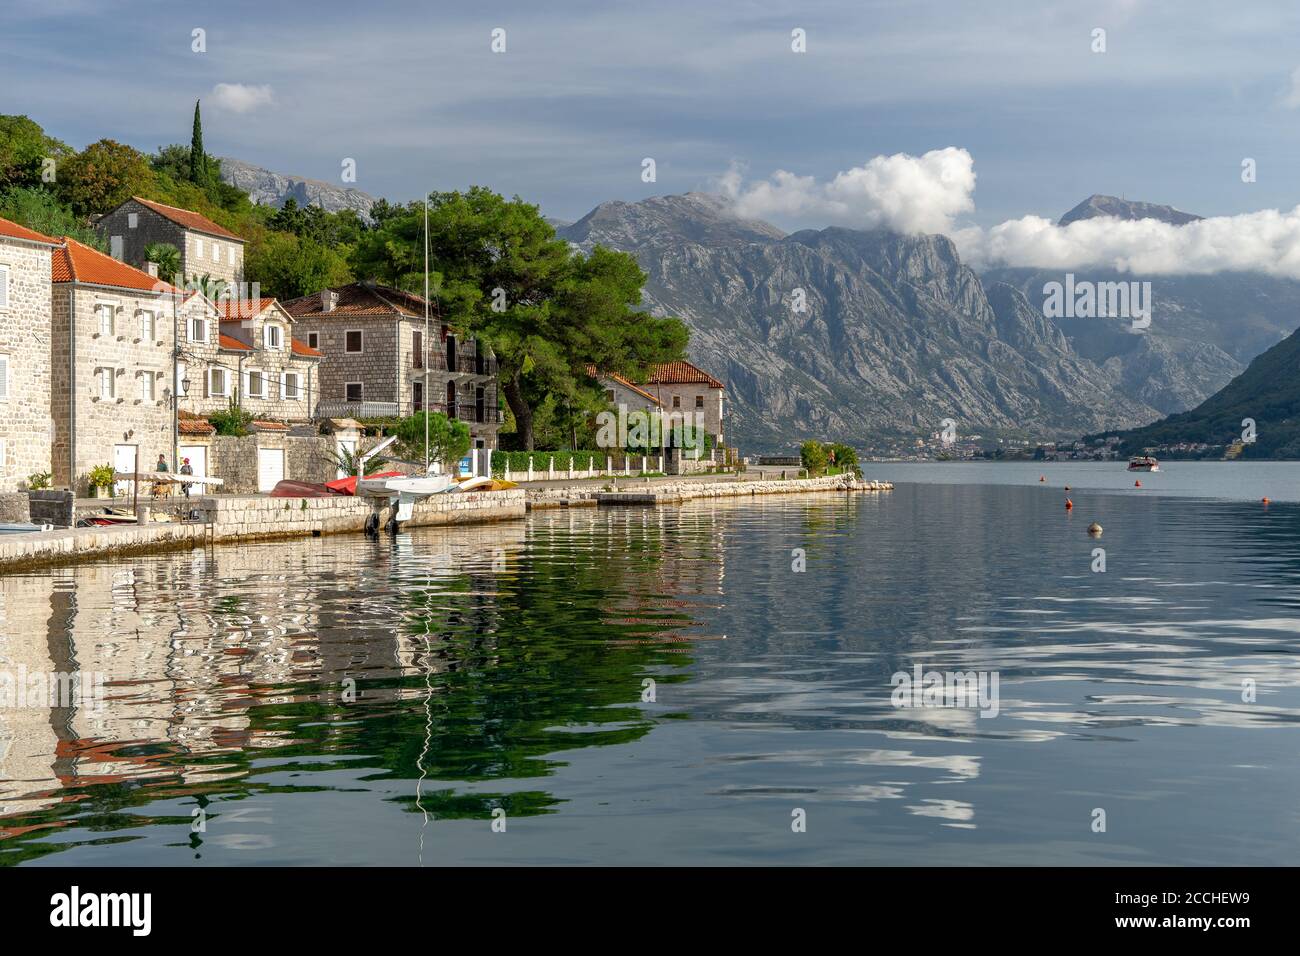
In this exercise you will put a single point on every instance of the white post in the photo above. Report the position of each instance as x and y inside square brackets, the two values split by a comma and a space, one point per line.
[506, 470]
[645, 463]
[570, 467]
[550, 469]
[661, 465]
[530, 466]
[609, 464]
[627, 463]
[591, 466]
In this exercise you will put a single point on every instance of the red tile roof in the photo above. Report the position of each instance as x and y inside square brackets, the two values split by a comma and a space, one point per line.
[362, 298]
[74, 262]
[302, 348]
[591, 370]
[230, 342]
[11, 230]
[194, 426]
[266, 426]
[680, 373]
[188, 218]
[236, 310]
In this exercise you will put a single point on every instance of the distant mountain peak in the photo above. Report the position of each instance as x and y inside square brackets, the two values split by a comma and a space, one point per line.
[267, 188]
[694, 216]
[1097, 205]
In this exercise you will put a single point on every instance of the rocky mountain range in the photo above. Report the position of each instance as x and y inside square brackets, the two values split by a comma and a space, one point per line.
[851, 335]
[269, 188]
[896, 333]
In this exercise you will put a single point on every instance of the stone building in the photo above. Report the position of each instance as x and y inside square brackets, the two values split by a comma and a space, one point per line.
[25, 307]
[111, 379]
[680, 390]
[376, 362]
[206, 249]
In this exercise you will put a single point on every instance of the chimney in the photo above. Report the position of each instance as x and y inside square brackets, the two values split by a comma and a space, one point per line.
[328, 299]
[151, 268]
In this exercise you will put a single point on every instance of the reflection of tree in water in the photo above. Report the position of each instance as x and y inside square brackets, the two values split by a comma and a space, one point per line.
[513, 667]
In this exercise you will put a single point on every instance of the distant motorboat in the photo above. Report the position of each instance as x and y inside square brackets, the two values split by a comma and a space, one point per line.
[1143, 463]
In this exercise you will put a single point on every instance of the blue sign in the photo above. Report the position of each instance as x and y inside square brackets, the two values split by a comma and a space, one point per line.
[466, 466]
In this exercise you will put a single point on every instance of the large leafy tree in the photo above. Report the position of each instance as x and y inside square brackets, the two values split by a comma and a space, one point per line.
[103, 175]
[287, 266]
[547, 311]
[24, 147]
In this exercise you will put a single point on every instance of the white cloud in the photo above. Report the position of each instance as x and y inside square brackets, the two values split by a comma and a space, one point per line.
[1266, 241]
[239, 97]
[900, 192]
[1291, 98]
[925, 194]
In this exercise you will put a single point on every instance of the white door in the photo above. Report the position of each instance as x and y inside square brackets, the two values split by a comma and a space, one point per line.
[123, 462]
[270, 468]
[348, 445]
[198, 456]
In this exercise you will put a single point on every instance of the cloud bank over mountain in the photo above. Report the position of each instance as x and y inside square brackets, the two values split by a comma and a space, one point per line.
[928, 194]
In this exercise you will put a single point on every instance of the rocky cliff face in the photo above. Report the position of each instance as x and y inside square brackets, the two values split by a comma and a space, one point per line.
[895, 333]
[267, 188]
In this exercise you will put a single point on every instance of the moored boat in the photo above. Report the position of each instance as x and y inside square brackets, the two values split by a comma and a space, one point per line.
[1143, 463]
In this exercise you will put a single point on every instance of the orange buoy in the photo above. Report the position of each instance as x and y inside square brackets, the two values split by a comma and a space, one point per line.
[1265, 501]
[1138, 483]
[1042, 477]
[1068, 504]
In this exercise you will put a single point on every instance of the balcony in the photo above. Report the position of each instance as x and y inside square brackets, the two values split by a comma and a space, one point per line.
[466, 412]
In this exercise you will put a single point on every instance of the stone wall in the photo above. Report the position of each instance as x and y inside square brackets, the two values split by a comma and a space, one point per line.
[14, 507]
[25, 425]
[234, 459]
[51, 507]
[127, 418]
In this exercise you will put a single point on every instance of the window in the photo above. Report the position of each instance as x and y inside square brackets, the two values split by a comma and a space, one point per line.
[313, 340]
[146, 387]
[256, 384]
[231, 250]
[115, 246]
[4, 287]
[353, 391]
[180, 379]
[4, 378]
[216, 252]
[198, 329]
[107, 384]
[417, 349]
[289, 386]
[105, 312]
[677, 401]
[133, 220]
[148, 321]
[218, 386]
[271, 334]
[198, 248]
[3, 453]
[353, 342]
[609, 395]
[699, 401]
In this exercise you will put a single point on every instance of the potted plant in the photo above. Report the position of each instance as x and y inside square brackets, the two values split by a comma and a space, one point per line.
[100, 480]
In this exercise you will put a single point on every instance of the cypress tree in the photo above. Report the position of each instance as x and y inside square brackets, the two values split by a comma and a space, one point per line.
[198, 159]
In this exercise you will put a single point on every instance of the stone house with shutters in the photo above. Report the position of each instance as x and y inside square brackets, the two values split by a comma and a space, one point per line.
[245, 351]
[26, 429]
[376, 362]
[687, 389]
[206, 248]
[112, 365]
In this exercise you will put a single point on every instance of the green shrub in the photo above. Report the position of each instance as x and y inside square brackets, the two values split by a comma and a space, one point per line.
[39, 481]
[101, 476]
[233, 421]
[813, 454]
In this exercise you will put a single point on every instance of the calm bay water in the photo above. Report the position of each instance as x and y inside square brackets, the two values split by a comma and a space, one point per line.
[505, 667]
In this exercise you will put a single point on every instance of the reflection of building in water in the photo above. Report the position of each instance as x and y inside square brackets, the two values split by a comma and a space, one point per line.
[29, 736]
[190, 642]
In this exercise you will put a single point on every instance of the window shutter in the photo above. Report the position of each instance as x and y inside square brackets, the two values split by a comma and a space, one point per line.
[4, 287]
[4, 378]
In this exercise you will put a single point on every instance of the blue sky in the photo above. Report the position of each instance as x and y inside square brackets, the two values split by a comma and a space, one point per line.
[585, 91]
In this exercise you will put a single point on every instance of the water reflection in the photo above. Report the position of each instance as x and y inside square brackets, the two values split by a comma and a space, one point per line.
[341, 699]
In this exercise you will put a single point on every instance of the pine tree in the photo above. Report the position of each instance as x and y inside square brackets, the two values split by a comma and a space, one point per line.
[198, 159]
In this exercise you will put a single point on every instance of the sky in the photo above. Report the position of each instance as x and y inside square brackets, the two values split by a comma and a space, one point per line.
[1018, 113]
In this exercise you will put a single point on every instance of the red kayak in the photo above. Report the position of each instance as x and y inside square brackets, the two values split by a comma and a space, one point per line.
[302, 489]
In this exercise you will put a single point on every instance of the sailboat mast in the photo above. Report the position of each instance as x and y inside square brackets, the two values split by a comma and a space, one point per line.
[426, 334]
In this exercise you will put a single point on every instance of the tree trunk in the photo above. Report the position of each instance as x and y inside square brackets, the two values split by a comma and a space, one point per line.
[514, 394]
